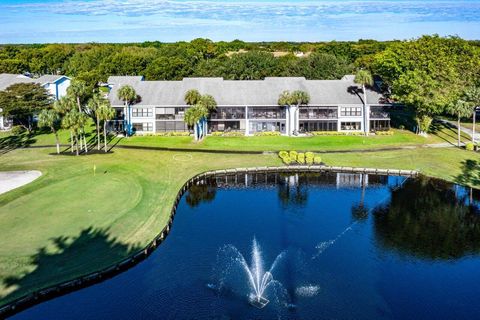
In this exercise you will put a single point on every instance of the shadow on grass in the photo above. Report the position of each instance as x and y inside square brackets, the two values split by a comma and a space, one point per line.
[470, 173]
[71, 257]
[13, 142]
[92, 146]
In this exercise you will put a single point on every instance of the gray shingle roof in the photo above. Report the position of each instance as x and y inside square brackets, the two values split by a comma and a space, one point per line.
[7, 79]
[242, 92]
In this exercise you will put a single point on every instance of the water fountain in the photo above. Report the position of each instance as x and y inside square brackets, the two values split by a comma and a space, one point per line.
[259, 279]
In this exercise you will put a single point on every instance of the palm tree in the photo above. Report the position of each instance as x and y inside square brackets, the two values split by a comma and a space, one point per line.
[472, 95]
[461, 109]
[105, 112]
[128, 95]
[63, 106]
[78, 90]
[50, 118]
[202, 105]
[93, 105]
[209, 103]
[193, 115]
[192, 97]
[293, 100]
[364, 78]
[75, 121]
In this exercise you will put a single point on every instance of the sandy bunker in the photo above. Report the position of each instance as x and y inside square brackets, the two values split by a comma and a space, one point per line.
[10, 180]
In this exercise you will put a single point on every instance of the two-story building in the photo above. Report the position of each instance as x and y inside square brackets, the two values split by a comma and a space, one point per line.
[56, 85]
[252, 106]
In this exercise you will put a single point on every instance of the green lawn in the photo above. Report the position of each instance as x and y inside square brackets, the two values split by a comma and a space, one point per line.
[400, 138]
[70, 222]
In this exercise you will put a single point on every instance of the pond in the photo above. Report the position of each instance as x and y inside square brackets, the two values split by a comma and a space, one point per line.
[301, 246]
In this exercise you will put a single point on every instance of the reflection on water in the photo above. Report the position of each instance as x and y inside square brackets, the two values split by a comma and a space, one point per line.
[430, 219]
[354, 246]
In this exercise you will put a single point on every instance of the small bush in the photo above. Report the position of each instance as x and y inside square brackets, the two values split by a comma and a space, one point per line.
[309, 161]
[283, 154]
[293, 155]
[336, 133]
[233, 134]
[287, 160]
[401, 127]
[267, 134]
[16, 130]
[170, 134]
[384, 133]
[317, 160]
[309, 155]
[470, 146]
[227, 134]
[301, 158]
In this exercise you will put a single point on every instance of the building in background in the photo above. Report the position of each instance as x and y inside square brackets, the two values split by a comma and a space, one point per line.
[251, 106]
[56, 85]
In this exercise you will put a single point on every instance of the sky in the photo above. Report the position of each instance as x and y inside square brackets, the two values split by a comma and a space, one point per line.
[47, 21]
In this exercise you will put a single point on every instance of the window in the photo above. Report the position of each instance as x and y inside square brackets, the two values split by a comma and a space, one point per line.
[228, 113]
[379, 112]
[223, 126]
[379, 125]
[351, 126]
[309, 126]
[176, 113]
[163, 126]
[144, 126]
[351, 112]
[318, 112]
[266, 113]
[142, 112]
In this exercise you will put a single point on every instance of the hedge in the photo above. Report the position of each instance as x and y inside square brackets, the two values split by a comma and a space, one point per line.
[267, 134]
[227, 134]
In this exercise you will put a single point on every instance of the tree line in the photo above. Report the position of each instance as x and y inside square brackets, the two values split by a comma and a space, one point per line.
[431, 75]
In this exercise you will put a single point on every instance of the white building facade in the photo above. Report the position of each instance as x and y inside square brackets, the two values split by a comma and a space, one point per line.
[250, 106]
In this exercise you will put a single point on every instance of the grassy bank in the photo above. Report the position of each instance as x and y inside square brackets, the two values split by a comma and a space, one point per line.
[70, 222]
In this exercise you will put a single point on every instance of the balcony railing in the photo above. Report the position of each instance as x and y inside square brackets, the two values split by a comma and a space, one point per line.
[318, 113]
[379, 113]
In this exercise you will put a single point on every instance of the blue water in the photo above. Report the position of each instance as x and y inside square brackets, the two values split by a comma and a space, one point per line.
[356, 247]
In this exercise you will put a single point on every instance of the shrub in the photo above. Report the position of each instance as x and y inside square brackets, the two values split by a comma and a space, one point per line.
[233, 134]
[401, 127]
[336, 133]
[309, 155]
[283, 154]
[470, 146]
[317, 160]
[301, 158]
[16, 130]
[384, 133]
[267, 134]
[170, 134]
[287, 160]
[227, 134]
[309, 161]
[293, 155]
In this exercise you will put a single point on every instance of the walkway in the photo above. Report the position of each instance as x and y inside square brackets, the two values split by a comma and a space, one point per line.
[466, 130]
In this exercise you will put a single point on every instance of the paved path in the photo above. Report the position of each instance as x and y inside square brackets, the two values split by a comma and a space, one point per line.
[466, 130]
[10, 180]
